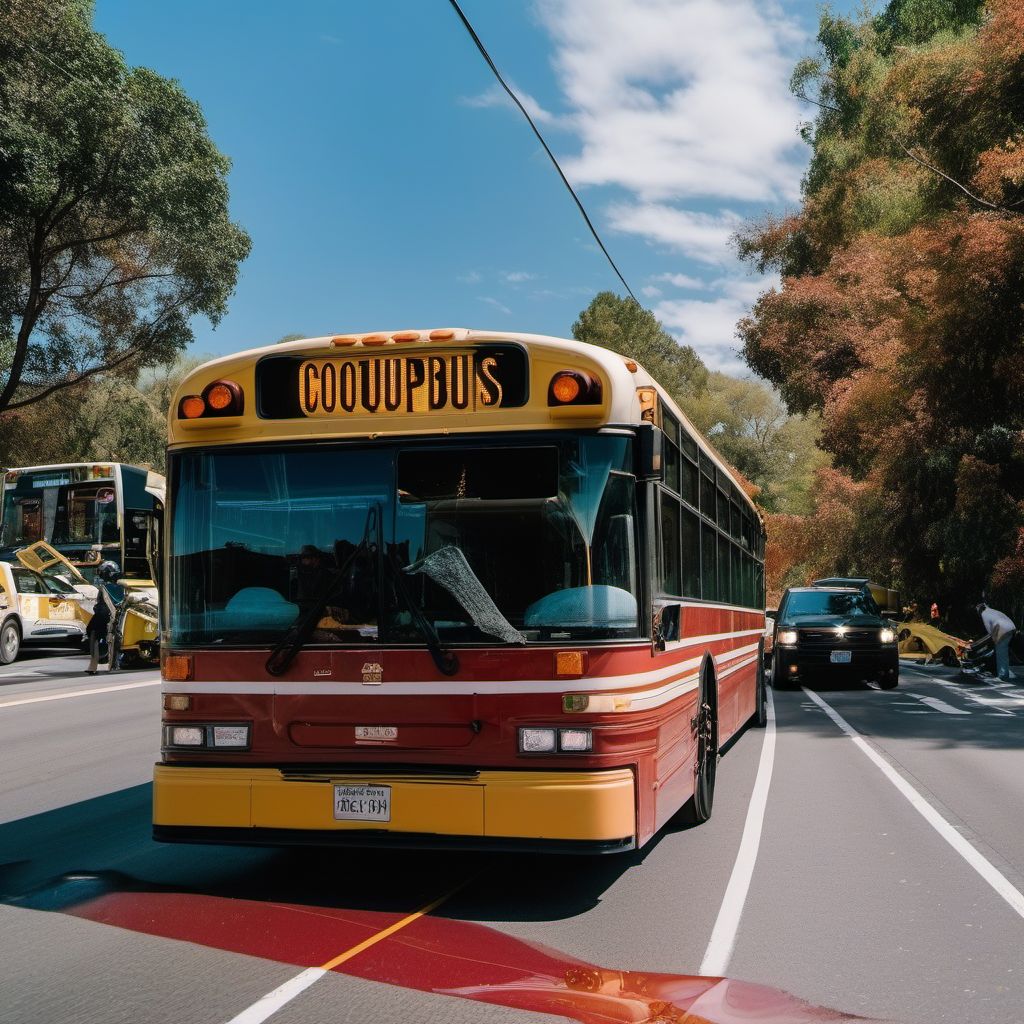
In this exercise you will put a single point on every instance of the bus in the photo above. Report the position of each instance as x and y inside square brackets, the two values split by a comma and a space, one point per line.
[448, 587]
[88, 512]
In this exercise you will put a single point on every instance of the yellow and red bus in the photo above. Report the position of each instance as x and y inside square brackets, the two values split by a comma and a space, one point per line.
[448, 587]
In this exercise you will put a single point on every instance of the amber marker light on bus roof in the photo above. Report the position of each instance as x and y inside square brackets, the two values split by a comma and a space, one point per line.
[406, 336]
[648, 398]
[191, 407]
[177, 668]
[375, 339]
[343, 341]
[445, 334]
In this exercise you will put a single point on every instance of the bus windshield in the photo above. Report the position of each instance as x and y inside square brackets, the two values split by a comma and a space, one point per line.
[55, 507]
[544, 532]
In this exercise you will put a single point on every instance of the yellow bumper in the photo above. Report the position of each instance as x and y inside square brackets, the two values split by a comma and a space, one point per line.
[596, 805]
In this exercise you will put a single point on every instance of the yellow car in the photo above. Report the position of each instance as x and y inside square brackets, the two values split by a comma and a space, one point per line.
[928, 645]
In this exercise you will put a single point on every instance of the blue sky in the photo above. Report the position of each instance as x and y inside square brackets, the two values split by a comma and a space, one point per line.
[387, 185]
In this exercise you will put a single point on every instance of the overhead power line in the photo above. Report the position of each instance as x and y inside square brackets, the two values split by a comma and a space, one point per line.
[540, 138]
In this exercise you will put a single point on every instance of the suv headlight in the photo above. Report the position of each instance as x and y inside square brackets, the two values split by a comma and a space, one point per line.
[787, 637]
[887, 636]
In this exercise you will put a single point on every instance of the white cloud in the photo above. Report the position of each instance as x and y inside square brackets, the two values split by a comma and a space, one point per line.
[709, 325]
[495, 96]
[681, 281]
[701, 236]
[499, 306]
[679, 98]
[651, 291]
[517, 276]
[471, 277]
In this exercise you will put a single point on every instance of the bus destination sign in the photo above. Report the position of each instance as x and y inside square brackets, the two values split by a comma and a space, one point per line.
[473, 380]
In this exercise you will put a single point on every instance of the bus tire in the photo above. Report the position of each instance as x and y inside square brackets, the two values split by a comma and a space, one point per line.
[761, 698]
[698, 809]
[10, 641]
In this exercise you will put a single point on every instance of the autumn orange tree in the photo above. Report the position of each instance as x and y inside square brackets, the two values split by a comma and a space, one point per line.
[900, 316]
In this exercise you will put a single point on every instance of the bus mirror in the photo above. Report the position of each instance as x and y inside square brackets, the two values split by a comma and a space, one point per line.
[648, 452]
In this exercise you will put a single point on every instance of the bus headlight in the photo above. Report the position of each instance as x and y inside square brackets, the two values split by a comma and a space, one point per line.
[555, 741]
[787, 637]
[186, 736]
[887, 636]
[536, 741]
[575, 741]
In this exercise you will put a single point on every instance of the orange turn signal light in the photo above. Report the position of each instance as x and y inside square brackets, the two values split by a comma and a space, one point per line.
[574, 387]
[219, 397]
[565, 388]
[177, 702]
[176, 668]
[570, 663]
[191, 407]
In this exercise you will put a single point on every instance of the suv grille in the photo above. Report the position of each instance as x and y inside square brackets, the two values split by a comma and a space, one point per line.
[814, 638]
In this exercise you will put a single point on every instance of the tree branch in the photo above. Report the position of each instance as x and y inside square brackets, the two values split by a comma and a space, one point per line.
[135, 353]
[963, 188]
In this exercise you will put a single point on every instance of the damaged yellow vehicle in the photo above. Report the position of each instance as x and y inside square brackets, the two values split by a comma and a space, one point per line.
[920, 642]
[137, 625]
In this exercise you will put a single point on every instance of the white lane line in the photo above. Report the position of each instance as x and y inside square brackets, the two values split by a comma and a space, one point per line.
[988, 871]
[266, 1006]
[939, 705]
[723, 935]
[993, 703]
[77, 693]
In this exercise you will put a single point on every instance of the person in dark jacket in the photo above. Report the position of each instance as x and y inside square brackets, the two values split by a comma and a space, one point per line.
[104, 616]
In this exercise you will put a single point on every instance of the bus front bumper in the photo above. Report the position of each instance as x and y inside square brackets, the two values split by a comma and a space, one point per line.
[492, 809]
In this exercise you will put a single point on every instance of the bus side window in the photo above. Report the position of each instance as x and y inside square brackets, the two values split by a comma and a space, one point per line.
[667, 625]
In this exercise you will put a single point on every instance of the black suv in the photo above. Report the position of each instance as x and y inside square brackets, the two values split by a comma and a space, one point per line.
[832, 631]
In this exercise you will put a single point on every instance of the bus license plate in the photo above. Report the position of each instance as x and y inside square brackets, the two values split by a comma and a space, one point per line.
[842, 657]
[362, 803]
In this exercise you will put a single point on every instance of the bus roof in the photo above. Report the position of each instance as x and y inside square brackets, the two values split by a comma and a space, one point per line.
[621, 374]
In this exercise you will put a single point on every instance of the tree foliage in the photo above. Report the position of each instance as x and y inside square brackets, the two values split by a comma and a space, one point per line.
[775, 452]
[900, 319]
[114, 225]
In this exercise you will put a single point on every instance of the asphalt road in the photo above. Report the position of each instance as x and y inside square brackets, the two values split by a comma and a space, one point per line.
[884, 879]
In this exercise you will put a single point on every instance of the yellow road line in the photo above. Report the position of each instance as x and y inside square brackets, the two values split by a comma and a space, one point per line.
[391, 929]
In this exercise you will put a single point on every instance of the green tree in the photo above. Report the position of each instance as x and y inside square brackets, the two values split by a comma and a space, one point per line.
[114, 225]
[900, 319]
[624, 326]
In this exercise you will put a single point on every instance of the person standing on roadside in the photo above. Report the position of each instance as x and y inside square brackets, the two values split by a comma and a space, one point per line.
[104, 616]
[1001, 628]
[934, 614]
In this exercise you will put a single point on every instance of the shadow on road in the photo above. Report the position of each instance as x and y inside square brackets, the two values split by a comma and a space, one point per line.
[105, 842]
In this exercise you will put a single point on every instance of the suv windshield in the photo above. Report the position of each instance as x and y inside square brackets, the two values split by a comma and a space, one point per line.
[494, 543]
[829, 602]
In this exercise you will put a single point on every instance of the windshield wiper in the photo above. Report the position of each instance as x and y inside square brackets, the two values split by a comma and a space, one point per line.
[298, 634]
[447, 663]
[448, 568]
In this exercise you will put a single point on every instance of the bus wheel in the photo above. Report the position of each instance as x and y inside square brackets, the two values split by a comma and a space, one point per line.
[10, 642]
[698, 810]
[761, 709]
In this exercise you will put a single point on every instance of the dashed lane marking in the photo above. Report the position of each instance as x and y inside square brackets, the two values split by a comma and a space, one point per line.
[269, 1004]
[77, 693]
[984, 867]
[727, 924]
[939, 705]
